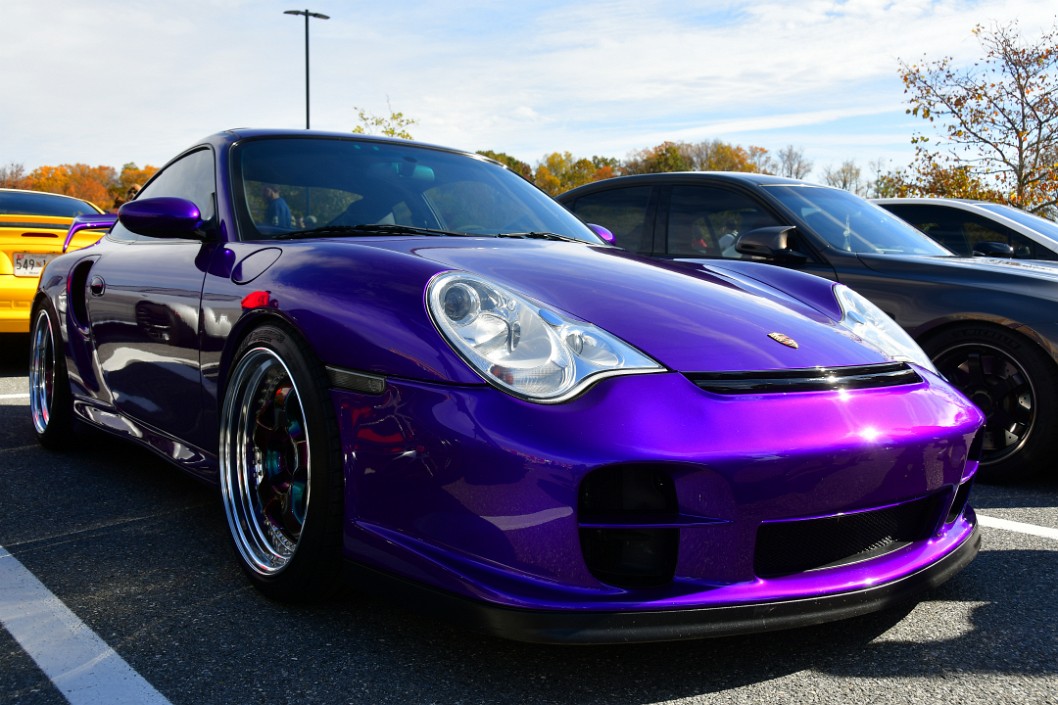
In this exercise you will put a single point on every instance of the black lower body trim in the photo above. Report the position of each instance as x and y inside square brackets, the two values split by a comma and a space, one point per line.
[573, 627]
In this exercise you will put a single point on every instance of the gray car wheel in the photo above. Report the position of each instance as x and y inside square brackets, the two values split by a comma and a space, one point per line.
[280, 470]
[50, 401]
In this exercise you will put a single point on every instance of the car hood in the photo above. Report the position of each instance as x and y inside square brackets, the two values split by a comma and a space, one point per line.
[1037, 277]
[688, 321]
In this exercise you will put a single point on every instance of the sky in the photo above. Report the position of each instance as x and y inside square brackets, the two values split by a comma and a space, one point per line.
[109, 82]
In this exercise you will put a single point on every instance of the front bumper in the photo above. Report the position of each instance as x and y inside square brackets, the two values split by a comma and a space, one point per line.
[479, 500]
[639, 626]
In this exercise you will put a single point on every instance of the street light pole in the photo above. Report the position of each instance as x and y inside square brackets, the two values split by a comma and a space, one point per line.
[307, 15]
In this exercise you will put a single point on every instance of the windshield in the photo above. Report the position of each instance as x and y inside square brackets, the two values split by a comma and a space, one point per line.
[1040, 225]
[850, 223]
[33, 203]
[293, 184]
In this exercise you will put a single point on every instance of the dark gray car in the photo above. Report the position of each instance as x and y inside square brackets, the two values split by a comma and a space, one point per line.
[989, 324]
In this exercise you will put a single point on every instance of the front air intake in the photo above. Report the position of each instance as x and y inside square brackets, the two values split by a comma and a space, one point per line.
[795, 546]
[626, 515]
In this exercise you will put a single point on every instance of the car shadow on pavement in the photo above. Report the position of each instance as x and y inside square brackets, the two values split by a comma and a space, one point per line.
[14, 354]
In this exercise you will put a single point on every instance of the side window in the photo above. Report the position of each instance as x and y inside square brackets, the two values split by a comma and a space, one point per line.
[704, 221]
[979, 229]
[943, 225]
[623, 212]
[190, 177]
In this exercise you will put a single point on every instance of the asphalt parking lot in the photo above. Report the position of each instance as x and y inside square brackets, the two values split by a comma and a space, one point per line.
[138, 554]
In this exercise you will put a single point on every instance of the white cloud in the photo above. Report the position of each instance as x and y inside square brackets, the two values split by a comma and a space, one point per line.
[103, 82]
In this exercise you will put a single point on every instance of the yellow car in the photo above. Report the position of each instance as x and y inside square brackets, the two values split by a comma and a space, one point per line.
[33, 228]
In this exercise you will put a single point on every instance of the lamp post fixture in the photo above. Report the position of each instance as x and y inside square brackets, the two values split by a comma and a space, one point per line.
[307, 15]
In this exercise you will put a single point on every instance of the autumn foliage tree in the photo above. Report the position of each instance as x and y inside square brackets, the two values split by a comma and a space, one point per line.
[514, 164]
[102, 185]
[997, 120]
[709, 155]
[561, 171]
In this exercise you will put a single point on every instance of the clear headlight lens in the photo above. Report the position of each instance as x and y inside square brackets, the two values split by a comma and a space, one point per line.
[877, 329]
[528, 350]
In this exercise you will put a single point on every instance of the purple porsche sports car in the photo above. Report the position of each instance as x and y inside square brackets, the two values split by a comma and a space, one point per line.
[408, 362]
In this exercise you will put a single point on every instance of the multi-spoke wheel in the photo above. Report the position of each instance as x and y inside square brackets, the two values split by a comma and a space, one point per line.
[1016, 386]
[50, 401]
[280, 470]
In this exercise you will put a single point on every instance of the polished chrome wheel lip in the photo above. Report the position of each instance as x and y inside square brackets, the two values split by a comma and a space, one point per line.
[42, 372]
[265, 548]
[963, 351]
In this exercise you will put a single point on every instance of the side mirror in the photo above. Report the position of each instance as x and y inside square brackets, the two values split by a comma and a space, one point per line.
[603, 233]
[163, 217]
[993, 249]
[771, 243]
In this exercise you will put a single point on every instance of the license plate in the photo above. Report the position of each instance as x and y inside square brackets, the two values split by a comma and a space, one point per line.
[30, 264]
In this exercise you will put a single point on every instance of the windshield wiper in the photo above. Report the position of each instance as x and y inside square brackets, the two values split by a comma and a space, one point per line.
[540, 236]
[366, 229]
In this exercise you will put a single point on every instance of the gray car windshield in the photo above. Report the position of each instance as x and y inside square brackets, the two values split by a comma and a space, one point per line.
[1040, 225]
[327, 187]
[851, 224]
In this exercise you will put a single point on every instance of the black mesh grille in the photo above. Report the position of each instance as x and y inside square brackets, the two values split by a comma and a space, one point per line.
[788, 547]
[813, 379]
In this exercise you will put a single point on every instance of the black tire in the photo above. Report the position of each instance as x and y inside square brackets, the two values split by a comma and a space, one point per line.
[280, 467]
[50, 400]
[1015, 384]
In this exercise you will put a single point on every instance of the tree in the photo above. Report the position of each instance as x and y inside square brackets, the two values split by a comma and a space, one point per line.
[516, 165]
[716, 155]
[12, 176]
[667, 156]
[712, 155]
[396, 124]
[78, 180]
[933, 179]
[793, 164]
[560, 171]
[132, 175]
[998, 118]
[847, 176]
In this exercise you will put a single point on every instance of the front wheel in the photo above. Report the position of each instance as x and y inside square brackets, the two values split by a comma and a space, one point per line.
[280, 468]
[1015, 384]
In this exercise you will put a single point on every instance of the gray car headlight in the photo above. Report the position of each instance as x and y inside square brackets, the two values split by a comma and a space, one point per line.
[874, 327]
[526, 349]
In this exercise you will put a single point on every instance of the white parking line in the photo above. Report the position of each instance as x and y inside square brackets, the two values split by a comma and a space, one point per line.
[1019, 527]
[24, 395]
[80, 664]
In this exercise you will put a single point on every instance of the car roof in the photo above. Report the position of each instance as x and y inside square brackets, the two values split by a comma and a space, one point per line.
[29, 196]
[744, 178]
[966, 203]
[231, 136]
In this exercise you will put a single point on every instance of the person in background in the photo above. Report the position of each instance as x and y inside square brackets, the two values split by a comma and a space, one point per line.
[278, 212]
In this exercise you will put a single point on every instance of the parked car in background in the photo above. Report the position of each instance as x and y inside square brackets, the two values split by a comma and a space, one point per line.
[33, 227]
[989, 324]
[453, 385]
[979, 227]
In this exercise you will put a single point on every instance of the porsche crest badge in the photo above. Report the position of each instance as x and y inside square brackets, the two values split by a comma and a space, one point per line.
[784, 339]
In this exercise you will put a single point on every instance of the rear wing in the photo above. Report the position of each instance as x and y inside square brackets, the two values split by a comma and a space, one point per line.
[93, 221]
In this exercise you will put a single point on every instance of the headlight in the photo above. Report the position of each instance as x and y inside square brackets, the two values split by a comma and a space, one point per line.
[530, 351]
[874, 327]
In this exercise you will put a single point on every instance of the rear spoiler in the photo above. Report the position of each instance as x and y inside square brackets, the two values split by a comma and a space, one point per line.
[94, 221]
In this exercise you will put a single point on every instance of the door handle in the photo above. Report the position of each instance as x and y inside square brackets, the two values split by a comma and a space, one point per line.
[97, 286]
